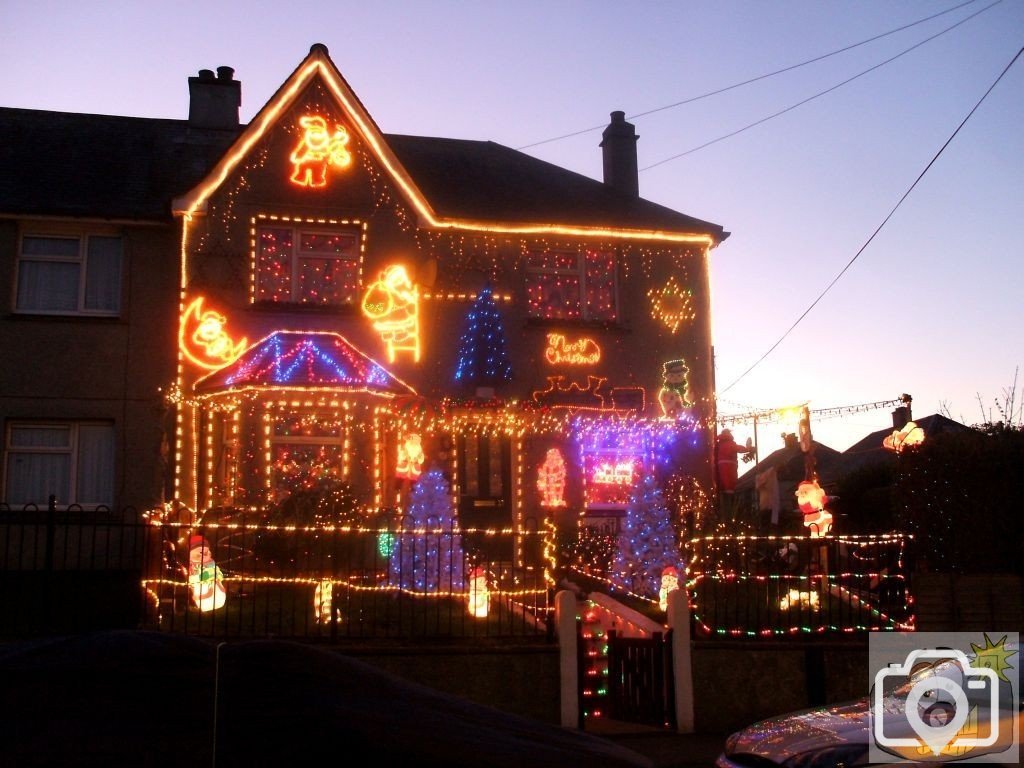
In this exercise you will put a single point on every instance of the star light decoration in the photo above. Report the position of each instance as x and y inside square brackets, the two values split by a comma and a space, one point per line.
[671, 304]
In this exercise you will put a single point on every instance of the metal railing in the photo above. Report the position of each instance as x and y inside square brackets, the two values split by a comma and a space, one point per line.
[75, 569]
[785, 586]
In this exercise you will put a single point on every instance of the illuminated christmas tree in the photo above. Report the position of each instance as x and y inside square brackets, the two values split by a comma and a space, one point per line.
[647, 542]
[427, 555]
[483, 358]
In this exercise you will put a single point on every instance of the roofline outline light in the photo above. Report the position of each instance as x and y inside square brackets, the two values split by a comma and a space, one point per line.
[319, 63]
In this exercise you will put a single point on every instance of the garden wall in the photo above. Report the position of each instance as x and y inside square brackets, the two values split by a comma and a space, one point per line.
[522, 679]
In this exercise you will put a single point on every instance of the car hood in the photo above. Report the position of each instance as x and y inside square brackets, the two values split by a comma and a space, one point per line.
[779, 738]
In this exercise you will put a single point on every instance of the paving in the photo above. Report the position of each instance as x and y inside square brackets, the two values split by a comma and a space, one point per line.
[665, 749]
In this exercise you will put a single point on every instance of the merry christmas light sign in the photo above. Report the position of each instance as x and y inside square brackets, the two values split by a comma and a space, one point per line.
[561, 351]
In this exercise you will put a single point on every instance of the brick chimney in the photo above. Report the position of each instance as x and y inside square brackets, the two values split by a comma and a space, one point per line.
[618, 148]
[214, 101]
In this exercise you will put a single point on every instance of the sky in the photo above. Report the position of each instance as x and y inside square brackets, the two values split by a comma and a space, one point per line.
[932, 307]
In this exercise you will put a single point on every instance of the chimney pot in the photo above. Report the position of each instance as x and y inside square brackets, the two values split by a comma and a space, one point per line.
[618, 150]
[214, 101]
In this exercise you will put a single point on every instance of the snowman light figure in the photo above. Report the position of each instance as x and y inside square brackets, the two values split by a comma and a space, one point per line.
[206, 582]
[479, 594]
[669, 583]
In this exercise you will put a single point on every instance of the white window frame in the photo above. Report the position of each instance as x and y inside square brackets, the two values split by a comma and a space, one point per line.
[82, 259]
[72, 450]
[581, 272]
[298, 229]
[341, 441]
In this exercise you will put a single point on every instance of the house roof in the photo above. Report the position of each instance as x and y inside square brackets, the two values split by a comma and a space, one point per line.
[788, 463]
[869, 451]
[484, 180]
[68, 164]
[304, 360]
[100, 166]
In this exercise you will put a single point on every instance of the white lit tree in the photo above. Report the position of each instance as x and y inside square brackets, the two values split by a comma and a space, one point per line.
[647, 543]
[426, 555]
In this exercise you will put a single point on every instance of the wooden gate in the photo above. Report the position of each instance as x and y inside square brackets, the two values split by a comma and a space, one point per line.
[641, 685]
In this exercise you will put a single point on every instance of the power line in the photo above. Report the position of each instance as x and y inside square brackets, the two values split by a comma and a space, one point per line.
[879, 228]
[820, 93]
[692, 99]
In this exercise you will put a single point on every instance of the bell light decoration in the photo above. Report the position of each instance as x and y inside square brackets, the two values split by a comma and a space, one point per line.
[479, 594]
[205, 580]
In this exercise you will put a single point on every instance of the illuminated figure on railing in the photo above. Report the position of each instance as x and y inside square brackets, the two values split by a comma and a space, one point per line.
[206, 582]
[812, 500]
[392, 302]
[317, 149]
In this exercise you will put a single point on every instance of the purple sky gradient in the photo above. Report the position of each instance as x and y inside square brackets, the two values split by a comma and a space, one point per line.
[933, 307]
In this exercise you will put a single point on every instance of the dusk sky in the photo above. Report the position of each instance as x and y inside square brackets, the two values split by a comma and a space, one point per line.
[932, 307]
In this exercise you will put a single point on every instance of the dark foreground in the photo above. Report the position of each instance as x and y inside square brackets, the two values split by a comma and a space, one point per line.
[147, 700]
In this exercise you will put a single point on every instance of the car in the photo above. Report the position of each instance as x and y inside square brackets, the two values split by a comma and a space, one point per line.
[839, 736]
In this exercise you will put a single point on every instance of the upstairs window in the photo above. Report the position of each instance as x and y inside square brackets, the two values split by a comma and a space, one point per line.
[69, 275]
[300, 265]
[570, 285]
[73, 461]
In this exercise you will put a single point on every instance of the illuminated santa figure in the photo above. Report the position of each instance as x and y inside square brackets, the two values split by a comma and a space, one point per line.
[206, 582]
[812, 500]
[479, 594]
[551, 479]
[410, 458]
[392, 303]
[317, 149]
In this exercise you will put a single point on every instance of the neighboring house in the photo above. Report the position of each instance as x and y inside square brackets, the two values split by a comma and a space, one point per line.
[222, 314]
[774, 480]
[869, 451]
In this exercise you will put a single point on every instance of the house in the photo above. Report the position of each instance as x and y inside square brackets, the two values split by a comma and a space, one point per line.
[221, 314]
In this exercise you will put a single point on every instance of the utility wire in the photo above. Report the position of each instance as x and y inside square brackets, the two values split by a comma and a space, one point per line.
[879, 228]
[692, 99]
[791, 107]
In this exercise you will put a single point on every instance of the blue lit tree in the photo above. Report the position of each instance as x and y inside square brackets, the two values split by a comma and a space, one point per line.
[483, 357]
[426, 556]
[647, 542]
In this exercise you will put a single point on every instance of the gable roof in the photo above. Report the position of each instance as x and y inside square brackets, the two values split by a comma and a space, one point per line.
[868, 450]
[140, 168]
[304, 360]
[482, 180]
[788, 462]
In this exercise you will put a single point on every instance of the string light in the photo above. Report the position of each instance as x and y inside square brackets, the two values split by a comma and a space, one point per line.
[483, 358]
[672, 304]
[318, 150]
[202, 339]
[297, 359]
[392, 303]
